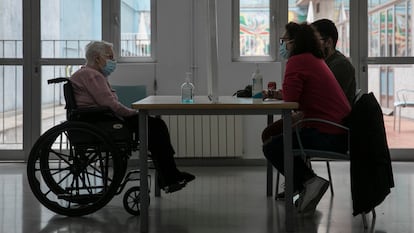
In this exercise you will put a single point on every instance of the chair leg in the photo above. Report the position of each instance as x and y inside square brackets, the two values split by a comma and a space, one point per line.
[277, 185]
[399, 119]
[330, 177]
[395, 116]
[364, 219]
[157, 185]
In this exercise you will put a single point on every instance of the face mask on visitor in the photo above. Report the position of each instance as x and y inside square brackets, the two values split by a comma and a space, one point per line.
[283, 50]
[109, 67]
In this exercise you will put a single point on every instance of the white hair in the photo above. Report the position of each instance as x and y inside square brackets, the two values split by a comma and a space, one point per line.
[96, 48]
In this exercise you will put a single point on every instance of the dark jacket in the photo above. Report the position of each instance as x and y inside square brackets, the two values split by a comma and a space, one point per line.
[371, 171]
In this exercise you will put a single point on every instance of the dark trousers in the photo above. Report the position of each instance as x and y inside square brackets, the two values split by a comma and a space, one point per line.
[311, 139]
[159, 144]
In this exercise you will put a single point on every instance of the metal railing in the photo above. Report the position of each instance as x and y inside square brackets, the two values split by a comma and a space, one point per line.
[52, 113]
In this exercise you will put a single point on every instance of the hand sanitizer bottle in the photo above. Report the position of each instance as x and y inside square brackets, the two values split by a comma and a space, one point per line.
[257, 86]
[187, 90]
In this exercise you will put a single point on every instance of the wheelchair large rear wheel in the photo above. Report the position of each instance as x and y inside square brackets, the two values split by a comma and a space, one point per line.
[74, 169]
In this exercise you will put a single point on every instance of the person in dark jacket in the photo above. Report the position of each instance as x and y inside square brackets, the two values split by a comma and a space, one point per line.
[340, 65]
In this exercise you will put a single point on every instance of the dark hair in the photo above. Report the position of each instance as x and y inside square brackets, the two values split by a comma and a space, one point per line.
[304, 39]
[291, 29]
[327, 29]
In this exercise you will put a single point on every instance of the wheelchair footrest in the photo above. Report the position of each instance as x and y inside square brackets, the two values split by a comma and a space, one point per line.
[81, 198]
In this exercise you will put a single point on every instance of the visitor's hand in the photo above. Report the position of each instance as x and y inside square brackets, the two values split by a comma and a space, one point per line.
[279, 95]
[265, 94]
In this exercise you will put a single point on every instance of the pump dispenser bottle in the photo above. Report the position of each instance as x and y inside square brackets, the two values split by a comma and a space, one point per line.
[257, 85]
[187, 90]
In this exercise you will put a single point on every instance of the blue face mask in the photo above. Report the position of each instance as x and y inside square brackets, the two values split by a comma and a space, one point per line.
[283, 50]
[109, 67]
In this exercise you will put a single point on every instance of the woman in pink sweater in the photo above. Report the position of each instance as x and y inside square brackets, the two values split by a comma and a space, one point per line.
[92, 89]
[310, 82]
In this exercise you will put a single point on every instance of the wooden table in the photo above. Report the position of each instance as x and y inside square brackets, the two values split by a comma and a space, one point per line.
[226, 105]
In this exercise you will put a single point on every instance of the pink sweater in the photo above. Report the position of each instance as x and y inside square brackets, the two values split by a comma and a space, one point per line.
[309, 81]
[91, 89]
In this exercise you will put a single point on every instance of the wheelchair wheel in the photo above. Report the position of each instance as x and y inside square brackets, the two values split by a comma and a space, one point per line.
[74, 169]
[132, 200]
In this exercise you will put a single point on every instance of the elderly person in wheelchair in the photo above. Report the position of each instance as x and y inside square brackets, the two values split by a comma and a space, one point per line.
[91, 88]
[76, 167]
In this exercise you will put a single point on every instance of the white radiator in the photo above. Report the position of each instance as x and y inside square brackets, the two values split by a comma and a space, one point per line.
[206, 136]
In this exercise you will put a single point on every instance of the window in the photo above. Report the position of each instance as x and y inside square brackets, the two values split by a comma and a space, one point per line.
[389, 30]
[252, 38]
[391, 63]
[61, 33]
[136, 27]
[337, 11]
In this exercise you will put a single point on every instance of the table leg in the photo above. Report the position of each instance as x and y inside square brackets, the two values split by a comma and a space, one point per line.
[143, 163]
[269, 189]
[157, 188]
[288, 164]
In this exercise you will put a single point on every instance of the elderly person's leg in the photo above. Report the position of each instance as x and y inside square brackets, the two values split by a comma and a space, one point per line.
[162, 154]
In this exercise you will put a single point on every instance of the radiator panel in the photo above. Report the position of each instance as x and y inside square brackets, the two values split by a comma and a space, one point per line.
[206, 136]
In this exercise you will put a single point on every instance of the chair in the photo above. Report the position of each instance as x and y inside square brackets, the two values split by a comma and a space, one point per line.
[327, 156]
[405, 98]
[316, 155]
[130, 94]
[76, 167]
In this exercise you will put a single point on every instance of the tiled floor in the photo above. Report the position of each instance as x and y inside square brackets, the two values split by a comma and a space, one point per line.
[220, 200]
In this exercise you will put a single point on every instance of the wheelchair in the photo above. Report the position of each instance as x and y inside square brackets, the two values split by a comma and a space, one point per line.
[77, 167]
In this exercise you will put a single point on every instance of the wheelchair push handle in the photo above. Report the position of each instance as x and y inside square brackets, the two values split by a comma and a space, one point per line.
[57, 80]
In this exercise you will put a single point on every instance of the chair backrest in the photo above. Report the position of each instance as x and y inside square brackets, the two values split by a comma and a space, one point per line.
[405, 97]
[358, 94]
[101, 117]
[130, 94]
[67, 93]
[69, 97]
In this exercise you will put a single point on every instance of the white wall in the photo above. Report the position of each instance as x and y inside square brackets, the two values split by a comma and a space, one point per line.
[176, 55]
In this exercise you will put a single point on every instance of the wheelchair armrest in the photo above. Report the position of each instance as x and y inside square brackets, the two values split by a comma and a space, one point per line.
[57, 80]
[92, 114]
[319, 120]
[93, 110]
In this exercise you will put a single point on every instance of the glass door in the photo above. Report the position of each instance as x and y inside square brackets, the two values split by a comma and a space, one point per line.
[390, 64]
[11, 77]
[53, 42]
[62, 41]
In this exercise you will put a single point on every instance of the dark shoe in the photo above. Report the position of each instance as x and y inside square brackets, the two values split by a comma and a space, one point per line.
[280, 196]
[173, 187]
[170, 186]
[186, 177]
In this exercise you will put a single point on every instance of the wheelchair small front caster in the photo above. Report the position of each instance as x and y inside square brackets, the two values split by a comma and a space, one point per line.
[132, 200]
